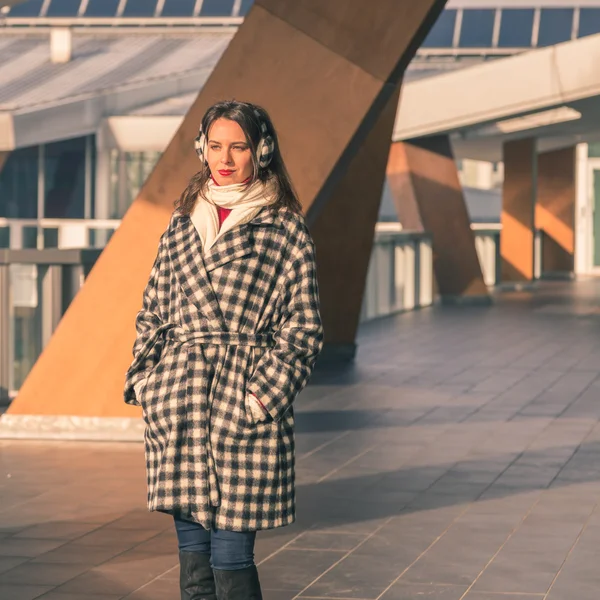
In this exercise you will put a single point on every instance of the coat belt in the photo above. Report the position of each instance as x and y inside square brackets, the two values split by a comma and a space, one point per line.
[220, 338]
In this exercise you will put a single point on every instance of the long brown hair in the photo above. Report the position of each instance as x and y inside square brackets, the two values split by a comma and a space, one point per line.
[243, 113]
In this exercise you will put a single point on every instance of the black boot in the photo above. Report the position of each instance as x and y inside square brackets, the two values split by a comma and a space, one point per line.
[242, 584]
[196, 579]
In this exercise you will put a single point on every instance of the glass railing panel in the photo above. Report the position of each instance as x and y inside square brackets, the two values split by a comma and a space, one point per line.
[4, 237]
[50, 236]
[98, 237]
[25, 321]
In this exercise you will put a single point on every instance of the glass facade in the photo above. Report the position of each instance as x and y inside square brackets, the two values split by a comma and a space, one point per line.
[101, 8]
[245, 7]
[19, 183]
[63, 8]
[128, 172]
[442, 33]
[477, 28]
[67, 183]
[139, 8]
[556, 26]
[64, 176]
[476, 25]
[216, 8]
[516, 27]
[27, 9]
[178, 8]
[589, 21]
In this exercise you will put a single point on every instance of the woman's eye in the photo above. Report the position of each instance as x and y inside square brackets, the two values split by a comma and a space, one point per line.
[240, 148]
[214, 147]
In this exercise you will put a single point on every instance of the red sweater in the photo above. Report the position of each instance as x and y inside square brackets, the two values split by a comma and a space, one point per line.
[223, 212]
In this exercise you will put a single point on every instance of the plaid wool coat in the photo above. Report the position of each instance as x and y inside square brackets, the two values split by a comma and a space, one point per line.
[244, 317]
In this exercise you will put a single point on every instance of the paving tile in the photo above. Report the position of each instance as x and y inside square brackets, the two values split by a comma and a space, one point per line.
[43, 574]
[159, 589]
[293, 570]
[74, 553]
[357, 576]
[521, 571]
[500, 596]
[106, 582]
[9, 591]
[452, 429]
[269, 594]
[28, 547]
[67, 530]
[10, 562]
[107, 537]
[409, 591]
[315, 540]
[86, 596]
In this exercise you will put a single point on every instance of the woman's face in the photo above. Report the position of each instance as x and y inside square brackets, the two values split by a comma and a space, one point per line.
[228, 154]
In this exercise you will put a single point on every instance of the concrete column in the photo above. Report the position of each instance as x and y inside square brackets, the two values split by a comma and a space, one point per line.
[518, 198]
[555, 209]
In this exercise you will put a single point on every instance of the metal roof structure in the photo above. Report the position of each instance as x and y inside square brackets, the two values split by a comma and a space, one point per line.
[107, 9]
[149, 58]
[106, 75]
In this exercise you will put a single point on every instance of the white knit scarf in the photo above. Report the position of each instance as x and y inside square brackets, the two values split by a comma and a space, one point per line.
[245, 199]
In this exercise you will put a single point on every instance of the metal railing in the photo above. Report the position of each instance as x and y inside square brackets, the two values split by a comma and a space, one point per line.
[56, 233]
[36, 288]
[487, 244]
[140, 24]
[400, 275]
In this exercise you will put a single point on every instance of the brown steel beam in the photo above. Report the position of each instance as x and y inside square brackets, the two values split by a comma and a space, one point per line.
[325, 71]
[555, 209]
[428, 195]
[518, 198]
[343, 233]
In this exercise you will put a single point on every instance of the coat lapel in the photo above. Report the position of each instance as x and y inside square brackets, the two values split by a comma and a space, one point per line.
[237, 242]
[185, 252]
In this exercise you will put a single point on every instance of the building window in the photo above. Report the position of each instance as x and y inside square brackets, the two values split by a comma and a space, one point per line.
[589, 21]
[64, 177]
[442, 33]
[216, 8]
[63, 8]
[128, 172]
[516, 28]
[139, 8]
[245, 7]
[178, 8]
[477, 28]
[101, 8]
[26, 9]
[556, 26]
[19, 183]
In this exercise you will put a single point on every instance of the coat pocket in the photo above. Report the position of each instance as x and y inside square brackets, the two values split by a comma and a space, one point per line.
[255, 413]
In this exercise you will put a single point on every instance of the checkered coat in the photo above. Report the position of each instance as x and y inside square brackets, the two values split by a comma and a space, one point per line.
[242, 318]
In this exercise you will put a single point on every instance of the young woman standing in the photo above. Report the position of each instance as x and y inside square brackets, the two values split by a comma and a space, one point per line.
[227, 337]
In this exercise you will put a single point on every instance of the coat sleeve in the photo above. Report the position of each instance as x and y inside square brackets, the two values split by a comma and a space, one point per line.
[149, 322]
[285, 369]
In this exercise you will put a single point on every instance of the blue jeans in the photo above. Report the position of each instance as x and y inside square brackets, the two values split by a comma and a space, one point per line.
[229, 550]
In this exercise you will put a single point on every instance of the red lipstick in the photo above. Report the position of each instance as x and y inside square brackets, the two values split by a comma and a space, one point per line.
[225, 172]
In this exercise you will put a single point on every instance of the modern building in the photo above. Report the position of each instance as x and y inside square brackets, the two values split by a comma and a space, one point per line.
[92, 91]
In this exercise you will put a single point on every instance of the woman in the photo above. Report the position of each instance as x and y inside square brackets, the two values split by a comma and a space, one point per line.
[227, 337]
